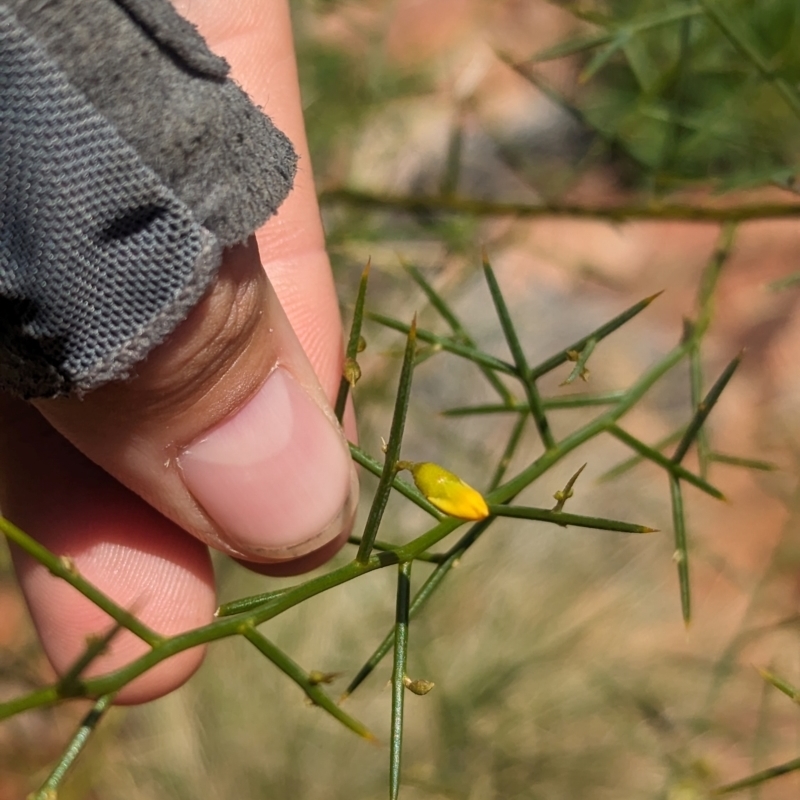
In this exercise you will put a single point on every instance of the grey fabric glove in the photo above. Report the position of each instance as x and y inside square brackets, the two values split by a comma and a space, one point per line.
[128, 161]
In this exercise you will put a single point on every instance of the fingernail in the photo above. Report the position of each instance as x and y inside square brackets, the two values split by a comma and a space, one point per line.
[276, 477]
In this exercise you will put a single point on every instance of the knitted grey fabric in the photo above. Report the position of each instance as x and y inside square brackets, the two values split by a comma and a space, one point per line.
[128, 160]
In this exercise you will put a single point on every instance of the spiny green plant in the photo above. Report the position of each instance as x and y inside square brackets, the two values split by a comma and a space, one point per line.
[245, 616]
[688, 94]
[672, 95]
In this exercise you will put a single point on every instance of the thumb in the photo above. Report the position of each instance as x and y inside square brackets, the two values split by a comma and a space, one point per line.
[225, 429]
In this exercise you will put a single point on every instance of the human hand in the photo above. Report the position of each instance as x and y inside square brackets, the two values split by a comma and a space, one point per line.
[225, 436]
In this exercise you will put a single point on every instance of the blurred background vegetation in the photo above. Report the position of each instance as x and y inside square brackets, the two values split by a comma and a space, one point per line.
[561, 663]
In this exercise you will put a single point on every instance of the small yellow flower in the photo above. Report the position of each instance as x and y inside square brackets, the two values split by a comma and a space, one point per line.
[447, 491]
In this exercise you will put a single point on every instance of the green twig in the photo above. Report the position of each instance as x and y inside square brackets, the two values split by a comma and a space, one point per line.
[427, 204]
[510, 449]
[562, 495]
[49, 789]
[633, 461]
[432, 582]
[459, 332]
[681, 554]
[704, 409]
[781, 685]
[624, 31]
[399, 674]
[661, 460]
[613, 143]
[747, 463]
[478, 357]
[524, 373]
[596, 335]
[758, 778]
[352, 371]
[384, 489]
[245, 604]
[64, 568]
[431, 558]
[710, 278]
[563, 519]
[782, 284]
[582, 400]
[95, 646]
[404, 487]
[313, 690]
[696, 394]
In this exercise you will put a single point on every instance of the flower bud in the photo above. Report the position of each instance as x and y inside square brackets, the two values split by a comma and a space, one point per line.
[447, 491]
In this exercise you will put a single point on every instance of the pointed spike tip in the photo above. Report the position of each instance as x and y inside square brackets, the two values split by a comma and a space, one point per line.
[765, 674]
[367, 268]
[648, 300]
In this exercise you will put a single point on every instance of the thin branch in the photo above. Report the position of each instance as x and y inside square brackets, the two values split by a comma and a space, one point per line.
[352, 372]
[312, 689]
[49, 789]
[687, 212]
[64, 568]
[384, 489]
[399, 675]
[521, 363]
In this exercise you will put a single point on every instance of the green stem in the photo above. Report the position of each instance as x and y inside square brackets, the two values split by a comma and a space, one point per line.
[686, 212]
[398, 675]
[696, 393]
[668, 464]
[352, 343]
[220, 628]
[459, 331]
[63, 567]
[582, 400]
[384, 489]
[597, 335]
[457, 348]
[630, 463]
[704, 409]
[405, 488]
[511, 448]
[564, 519]
[758, 778]
[514, 345]
[313, 690]
[430, 558]
[427, 589]
[504, 494]
[681, 554]
[710, 278]
[49, 789]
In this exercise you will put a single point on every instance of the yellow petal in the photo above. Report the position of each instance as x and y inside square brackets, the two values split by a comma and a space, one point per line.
[448, 492]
